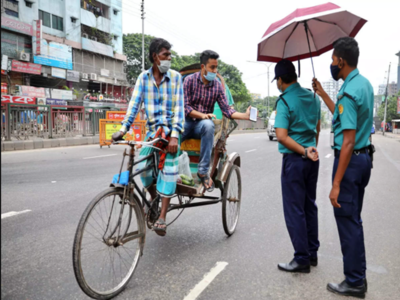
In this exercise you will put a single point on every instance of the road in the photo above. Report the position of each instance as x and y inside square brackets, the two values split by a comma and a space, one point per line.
[52, 187]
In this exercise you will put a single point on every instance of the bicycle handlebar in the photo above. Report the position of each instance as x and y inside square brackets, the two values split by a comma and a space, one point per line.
[148, 144]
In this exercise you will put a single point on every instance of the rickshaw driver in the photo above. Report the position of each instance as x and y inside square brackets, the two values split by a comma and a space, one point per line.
[161, 91]
[202, 91]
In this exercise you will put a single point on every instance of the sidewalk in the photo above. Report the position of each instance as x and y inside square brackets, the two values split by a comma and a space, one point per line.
[390, 135]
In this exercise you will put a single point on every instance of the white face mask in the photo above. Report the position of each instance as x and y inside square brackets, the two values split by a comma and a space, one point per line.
[164, 66]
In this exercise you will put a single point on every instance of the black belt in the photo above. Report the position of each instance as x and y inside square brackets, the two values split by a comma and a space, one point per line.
[356, 152]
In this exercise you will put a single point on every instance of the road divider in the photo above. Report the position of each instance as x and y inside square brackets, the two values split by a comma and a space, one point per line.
[13, 213]
[208, 278]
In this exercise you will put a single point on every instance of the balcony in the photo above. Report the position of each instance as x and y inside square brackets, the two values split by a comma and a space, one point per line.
[93, 46]
[89, 19]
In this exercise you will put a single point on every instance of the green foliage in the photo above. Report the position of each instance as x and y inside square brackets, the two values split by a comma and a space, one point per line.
[133, 50]
[391, 113]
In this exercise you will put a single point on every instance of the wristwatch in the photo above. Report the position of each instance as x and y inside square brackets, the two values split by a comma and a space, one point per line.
[305, 153]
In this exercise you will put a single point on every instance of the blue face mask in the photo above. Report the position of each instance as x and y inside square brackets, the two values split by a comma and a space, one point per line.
[210, 76]
[335, 72]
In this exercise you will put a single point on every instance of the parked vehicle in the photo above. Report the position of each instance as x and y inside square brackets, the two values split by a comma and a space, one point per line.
[270, 127]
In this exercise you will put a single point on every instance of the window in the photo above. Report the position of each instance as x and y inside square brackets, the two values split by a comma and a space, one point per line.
[11, 13]
[115, 37]
[45, 17]
[73, 20]
[28, 4]
[57, 23]
[115, 12]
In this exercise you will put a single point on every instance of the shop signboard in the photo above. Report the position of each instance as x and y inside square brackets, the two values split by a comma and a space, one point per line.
[61, 94]
[56, 102]
[105, 72]
[16, 25]
[53, 54]
[73, 76]
[4, 62]
[23, 67]
[18, 99]
[58, 73]
[38, 36]
[32, 91]
[118, 116]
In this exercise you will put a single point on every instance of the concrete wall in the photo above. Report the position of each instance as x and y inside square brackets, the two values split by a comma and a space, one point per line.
[116, 24]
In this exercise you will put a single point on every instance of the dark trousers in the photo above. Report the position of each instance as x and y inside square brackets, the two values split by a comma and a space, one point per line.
[348, 217]
[299, 188]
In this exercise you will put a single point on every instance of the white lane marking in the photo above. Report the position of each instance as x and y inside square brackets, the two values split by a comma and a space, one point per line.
[53, 181]
[251, 150]
[13, 213]
[329, 155]
[208, 278]
[99, 156]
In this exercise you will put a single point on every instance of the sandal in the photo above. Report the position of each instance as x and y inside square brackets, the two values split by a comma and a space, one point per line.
[161, 231]
[205, 180]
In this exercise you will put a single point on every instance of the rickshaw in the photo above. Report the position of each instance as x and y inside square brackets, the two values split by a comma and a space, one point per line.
[111, 234]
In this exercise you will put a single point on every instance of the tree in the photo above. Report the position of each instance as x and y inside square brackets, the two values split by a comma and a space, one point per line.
[391, 109]
[133, 50]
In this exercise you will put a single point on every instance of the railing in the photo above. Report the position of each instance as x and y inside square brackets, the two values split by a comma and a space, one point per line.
[31, 121]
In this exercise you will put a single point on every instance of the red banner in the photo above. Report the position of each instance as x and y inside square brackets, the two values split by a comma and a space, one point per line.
[18, 99]
[38, 36]
[19, 66]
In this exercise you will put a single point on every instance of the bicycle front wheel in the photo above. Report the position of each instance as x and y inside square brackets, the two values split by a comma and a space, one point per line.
[102, 266]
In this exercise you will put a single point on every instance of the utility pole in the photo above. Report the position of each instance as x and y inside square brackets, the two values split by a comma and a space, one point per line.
[143, 13]
[386, 95]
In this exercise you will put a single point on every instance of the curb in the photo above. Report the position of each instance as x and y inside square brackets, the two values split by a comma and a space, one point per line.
[48, 143]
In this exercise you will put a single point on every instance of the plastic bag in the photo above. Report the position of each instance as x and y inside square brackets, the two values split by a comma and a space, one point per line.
[184, 164]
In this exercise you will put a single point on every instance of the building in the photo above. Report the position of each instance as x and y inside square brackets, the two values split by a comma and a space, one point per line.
[68, 50]
[392, 89]
[332, 88]
[398, 72]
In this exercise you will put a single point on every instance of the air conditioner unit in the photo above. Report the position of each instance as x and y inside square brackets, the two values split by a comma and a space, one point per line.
[93, 76]
[85, 76]
[85, 35]
[24, 56]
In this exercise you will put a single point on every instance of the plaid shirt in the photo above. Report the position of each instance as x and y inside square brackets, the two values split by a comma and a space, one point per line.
[202, 98]
[163, 104]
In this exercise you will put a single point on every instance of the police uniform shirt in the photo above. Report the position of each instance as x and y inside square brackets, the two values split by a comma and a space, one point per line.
[354, 110]
[300, 116]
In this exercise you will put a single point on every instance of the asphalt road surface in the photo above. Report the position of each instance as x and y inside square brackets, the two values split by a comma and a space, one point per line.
[49, 189]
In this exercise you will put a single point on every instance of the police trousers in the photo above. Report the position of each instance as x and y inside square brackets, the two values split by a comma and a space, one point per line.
[299, 188]
[348, 216]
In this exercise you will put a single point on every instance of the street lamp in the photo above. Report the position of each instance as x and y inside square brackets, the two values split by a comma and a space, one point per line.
[267, 65]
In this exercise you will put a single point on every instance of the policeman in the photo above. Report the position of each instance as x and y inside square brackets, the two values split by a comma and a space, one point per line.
[352, 119]
[297, 125]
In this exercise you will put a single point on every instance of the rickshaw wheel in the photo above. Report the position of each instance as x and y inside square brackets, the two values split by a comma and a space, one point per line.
[231, 199]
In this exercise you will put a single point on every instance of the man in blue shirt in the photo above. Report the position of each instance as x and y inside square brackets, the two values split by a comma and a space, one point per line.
[297, 125]
[352, 119]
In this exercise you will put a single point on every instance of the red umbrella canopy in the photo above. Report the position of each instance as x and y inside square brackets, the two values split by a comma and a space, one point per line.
[307, 32]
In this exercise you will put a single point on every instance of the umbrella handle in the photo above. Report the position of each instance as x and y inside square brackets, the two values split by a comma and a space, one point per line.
[309, 48]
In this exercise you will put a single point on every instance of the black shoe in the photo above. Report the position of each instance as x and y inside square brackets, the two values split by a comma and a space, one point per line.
[314, 261]
[294, 267]
[366, 284]
[345, 289]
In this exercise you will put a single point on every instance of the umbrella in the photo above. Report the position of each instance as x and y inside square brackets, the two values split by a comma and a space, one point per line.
[307, 32]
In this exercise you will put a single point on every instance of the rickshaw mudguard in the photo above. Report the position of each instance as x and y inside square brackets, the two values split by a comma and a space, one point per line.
[232, 159]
